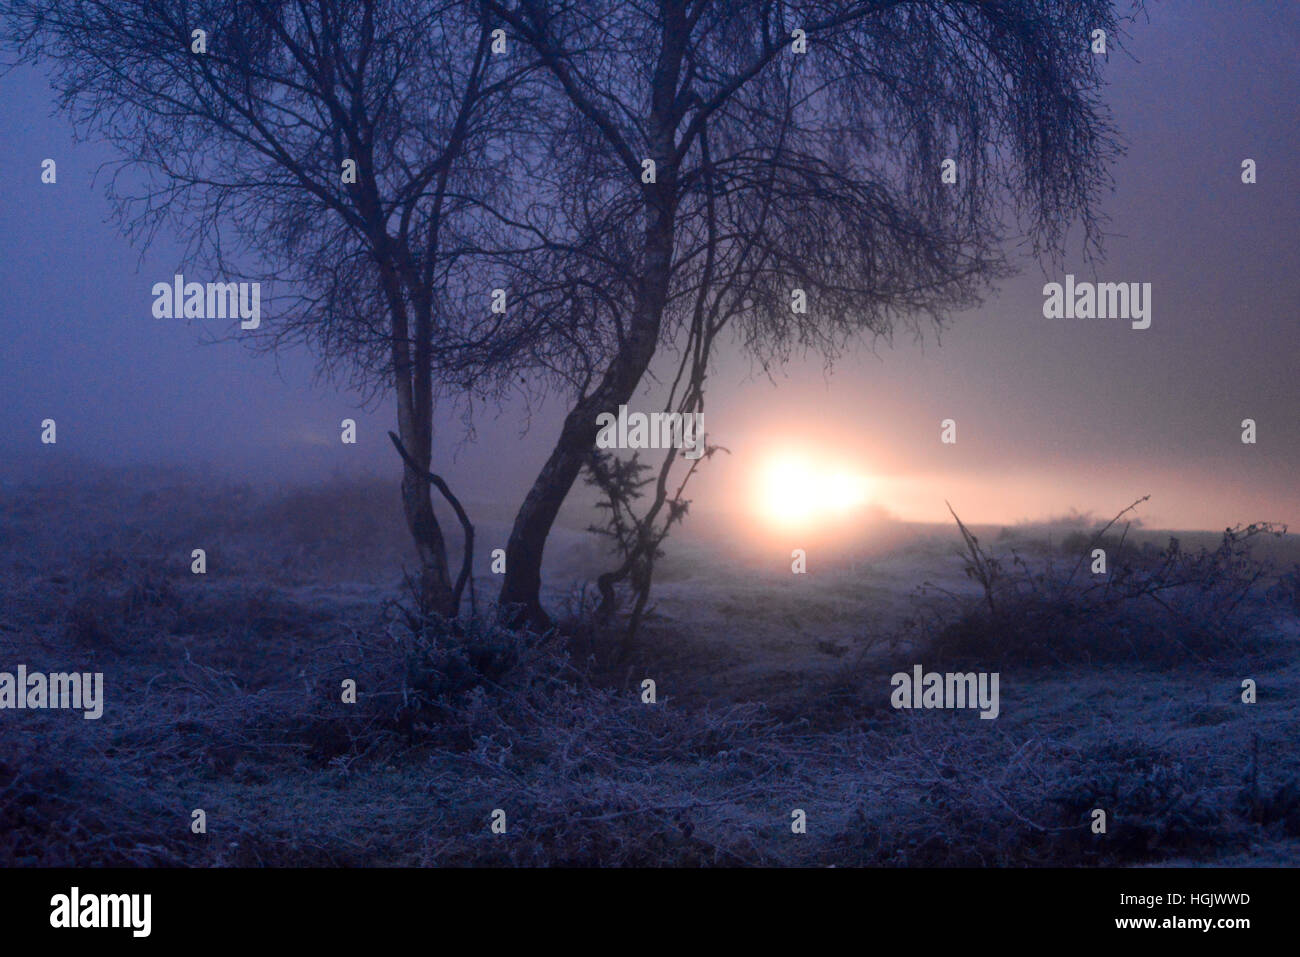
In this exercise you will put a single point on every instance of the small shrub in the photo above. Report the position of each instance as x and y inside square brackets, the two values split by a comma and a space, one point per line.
[1161, 605]
[1156, 806]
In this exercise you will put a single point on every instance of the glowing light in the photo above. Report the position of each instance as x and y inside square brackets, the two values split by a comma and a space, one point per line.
[796, 491]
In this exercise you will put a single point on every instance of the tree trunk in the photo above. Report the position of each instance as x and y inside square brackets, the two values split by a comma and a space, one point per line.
[523, 577]
[415, 429]
[435, 591]
[536, 516]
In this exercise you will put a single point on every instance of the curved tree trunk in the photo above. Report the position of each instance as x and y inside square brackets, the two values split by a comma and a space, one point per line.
[521, 590]
[412, 384]
[415, 428]
[523, 577]
[435, 580]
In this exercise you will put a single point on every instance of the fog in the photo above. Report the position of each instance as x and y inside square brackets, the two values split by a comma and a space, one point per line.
[1051, 414]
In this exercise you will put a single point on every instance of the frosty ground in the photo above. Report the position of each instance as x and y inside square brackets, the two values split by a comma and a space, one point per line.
[223, 694]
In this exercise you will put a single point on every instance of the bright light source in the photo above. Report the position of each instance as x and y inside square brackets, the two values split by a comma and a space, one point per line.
[796, 491]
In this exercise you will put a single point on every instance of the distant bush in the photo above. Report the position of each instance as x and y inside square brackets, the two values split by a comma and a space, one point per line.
[1082, 542]
[1156, 605]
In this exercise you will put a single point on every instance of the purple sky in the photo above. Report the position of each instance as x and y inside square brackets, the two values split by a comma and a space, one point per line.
[1052, 414]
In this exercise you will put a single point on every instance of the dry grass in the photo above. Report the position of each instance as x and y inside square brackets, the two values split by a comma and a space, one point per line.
[224, 694]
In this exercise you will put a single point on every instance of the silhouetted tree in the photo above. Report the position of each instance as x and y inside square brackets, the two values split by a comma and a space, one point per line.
[241, 117]
[678, 169]
[797, 152]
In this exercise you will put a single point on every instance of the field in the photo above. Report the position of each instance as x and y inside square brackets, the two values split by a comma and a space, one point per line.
[772, 694]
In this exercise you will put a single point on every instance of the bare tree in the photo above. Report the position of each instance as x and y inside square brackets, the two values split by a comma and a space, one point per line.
[333, 149]
[759, 153]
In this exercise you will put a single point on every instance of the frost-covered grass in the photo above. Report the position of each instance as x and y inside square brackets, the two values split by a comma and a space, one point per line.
[223, 693]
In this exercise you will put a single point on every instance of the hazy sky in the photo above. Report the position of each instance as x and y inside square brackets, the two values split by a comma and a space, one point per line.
[1051, 414]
